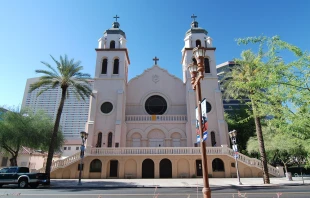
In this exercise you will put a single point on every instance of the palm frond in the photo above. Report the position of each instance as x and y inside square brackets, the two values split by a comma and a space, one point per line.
[43, 90]
[69, 74]
[50, 67]
[40, 71]
[39, 84]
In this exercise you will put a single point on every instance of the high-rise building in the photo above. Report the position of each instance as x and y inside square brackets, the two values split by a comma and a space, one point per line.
[74, 114]
[228, 103]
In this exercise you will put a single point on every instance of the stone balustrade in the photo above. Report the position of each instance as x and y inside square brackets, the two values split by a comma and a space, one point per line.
[160, 151]
[63, 163]
[156, 118]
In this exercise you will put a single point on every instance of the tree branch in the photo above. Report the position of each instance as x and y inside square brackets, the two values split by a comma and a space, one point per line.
[6, 147]
[307, 88]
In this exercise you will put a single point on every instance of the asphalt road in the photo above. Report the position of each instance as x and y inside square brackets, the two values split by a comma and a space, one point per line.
[257, 192]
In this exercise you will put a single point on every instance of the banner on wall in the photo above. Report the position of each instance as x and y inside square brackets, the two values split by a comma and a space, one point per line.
[204, 118]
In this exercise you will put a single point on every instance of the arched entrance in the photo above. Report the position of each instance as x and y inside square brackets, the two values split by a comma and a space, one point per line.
[165, 168]
[148, 168]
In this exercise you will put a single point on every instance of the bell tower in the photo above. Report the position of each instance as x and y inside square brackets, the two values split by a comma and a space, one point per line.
[217, 129]
[106, 119]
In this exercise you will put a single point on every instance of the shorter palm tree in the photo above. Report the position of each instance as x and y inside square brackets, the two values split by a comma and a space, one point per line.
[67, 75]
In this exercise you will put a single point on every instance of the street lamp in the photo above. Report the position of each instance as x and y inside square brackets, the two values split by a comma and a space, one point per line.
[199, 53]
[84, 136]
[233, 137]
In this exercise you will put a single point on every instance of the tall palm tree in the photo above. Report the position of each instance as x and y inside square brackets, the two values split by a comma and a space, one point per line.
[66, 75]
[248, 80]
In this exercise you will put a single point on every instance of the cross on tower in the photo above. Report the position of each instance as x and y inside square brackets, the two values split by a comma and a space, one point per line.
[194, 17]
[116, 17]
[155, 59]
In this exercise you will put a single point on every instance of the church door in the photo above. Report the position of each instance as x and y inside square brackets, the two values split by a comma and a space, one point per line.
[113, 168]
[156, 142]
[165, 168]
[176, 143]
[148, 168]
[198, 168]
[136, 142]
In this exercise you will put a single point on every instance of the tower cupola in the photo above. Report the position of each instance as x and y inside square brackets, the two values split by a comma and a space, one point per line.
[195, 28]
[115, 28]
[113, 37]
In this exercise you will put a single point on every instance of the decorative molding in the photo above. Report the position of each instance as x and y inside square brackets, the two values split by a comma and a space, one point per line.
[116, 49]
[155, 78]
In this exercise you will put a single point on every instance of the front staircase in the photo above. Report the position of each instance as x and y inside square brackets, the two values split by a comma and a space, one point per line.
[252, 162]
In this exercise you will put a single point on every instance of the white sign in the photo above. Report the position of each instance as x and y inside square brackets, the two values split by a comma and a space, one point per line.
[235, 148]
[204, 120]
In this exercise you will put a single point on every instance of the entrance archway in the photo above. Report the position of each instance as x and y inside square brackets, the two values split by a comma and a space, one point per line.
[165, 168]
[148, 168]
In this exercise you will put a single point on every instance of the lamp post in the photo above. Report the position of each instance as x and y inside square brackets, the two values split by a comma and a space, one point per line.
[199, 53]
[84, 136]
[233, 137]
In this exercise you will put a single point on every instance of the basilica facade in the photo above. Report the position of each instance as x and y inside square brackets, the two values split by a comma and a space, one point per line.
[145, 127]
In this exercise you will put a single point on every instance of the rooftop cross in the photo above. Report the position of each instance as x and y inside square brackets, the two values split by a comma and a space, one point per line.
[116, 17]
[155, 59]
[194, 17]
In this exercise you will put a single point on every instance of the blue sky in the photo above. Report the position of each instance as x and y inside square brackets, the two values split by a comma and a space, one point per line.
[32, 30]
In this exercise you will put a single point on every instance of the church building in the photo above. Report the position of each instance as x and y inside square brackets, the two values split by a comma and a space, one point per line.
[146, 127]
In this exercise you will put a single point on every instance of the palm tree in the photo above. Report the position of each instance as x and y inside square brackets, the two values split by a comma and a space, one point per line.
[66, 75]
[247, 79]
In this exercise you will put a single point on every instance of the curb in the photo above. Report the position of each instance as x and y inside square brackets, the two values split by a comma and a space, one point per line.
[154, 186]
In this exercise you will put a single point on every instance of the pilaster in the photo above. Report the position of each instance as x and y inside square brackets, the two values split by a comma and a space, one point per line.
[139, 168]
[174, 168]
[121, 173]
[192, 165]
[168, 142]
[104, 169]
[156, 168]
[144, 142]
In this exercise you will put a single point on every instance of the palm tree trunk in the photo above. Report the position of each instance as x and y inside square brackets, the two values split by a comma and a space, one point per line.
[54, 135]
[260, 138]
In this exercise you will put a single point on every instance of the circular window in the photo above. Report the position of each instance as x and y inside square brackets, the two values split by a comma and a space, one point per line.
[106, 107]
[156, 105]
[208, 107]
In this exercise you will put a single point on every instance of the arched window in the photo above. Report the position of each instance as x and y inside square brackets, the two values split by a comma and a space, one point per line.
[99, 140]
[198, 43]
[213, 142]
[194, 60]
[110, 136]
[95, 166]
[104, 66]
[217, 165]
[116, 66]
[112, 44]
[207, 65]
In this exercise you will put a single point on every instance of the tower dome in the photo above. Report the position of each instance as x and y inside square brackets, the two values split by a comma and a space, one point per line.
[195, 28]
[115, 28]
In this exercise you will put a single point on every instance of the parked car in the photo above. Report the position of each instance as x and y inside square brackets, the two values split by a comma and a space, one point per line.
[22, 177]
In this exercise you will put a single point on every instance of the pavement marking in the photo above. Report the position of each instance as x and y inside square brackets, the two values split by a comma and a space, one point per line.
[174, 194]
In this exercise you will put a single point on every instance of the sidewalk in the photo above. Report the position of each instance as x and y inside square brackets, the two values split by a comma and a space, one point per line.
[174, 183]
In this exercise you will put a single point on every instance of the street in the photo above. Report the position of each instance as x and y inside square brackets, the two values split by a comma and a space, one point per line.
[218, 192]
